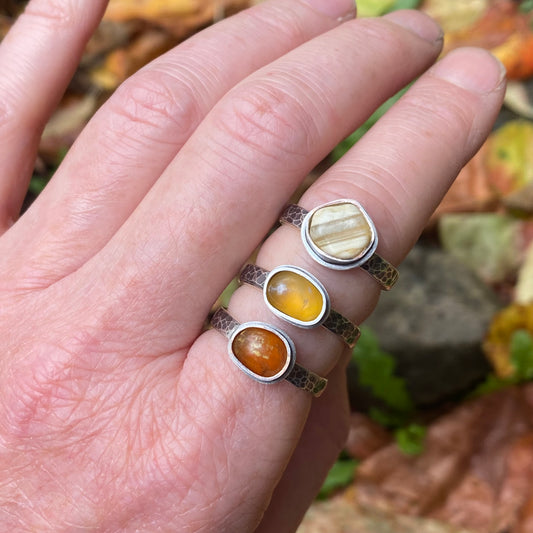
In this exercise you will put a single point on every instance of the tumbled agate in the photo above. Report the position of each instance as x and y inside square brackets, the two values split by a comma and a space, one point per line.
[296, 296]
[262, 352]
[341, 231]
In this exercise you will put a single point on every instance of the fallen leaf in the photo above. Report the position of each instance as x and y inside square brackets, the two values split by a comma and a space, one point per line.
[491, 244]
[500, 174]
[178, 17]
[497, 344]
[475, 471]
[516, 53]
[524, 285]
[517, 99]
[121, 10]
[341, 515]
[365, 436]
[373, 8]
[122, 63]
[499, 26]
[455, 15]
[471, 191]
[65, 125]
[509, 158]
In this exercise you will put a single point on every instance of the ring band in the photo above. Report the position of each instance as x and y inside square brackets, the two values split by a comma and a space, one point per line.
[340, 235]
[265, 353]
[296, 296]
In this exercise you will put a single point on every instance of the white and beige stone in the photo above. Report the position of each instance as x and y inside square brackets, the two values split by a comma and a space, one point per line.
[341, 231]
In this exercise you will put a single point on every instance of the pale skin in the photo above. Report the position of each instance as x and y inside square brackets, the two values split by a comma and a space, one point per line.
[117, 412]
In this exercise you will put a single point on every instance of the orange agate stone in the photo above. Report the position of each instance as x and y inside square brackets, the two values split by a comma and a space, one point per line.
[295, 296]
[261, 351]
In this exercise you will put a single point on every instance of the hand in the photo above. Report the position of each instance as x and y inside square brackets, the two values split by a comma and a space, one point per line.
[117, 413]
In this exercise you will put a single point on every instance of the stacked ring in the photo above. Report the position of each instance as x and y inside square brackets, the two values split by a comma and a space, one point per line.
[297, 297]
[265, 353]
[340, 235]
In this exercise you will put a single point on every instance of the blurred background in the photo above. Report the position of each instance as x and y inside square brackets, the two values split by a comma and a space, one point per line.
[441, 436]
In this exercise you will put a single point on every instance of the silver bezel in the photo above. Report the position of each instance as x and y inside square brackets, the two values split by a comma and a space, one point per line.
[326, 305]
[289, 345]
[332, 262]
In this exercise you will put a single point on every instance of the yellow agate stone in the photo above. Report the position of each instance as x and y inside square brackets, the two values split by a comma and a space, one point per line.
[295, 296]
[261, 351]
[341, 231]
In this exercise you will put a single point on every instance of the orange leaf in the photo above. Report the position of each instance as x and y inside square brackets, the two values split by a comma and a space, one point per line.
[504, 30]
[497, 343]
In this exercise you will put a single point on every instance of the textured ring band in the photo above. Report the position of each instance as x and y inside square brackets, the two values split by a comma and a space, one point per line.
[299, 298]
[340, 235]
[265, 353]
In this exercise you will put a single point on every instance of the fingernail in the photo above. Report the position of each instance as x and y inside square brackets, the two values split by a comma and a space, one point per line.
[419, 23]
[473, 69]
[335, 9]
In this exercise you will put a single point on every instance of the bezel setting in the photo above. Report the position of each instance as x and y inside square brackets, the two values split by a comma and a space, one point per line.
[288, 343]
[326, 304]
[328, 260]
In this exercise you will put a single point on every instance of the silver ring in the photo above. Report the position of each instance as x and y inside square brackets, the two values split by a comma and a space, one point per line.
[265, 353]
[341, 235]
[296, 296]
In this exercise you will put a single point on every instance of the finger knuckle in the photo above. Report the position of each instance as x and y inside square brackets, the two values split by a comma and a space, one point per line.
[266, 120]
[150, 103]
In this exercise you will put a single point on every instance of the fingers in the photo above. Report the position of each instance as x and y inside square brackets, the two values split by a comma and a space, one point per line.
[399, 172]
[37, 59]
[229, 182]
[402, 168]
[131, 140]
[321, 442]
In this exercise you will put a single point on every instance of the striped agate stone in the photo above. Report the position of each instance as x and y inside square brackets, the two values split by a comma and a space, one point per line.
[341, 231]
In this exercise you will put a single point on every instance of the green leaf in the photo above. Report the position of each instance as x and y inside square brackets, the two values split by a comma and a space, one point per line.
[347, 143]
[341, 474]
[37, 184]
[492, 384]
[405, 4]
[522, 354]
[411, 439]
[526, 6]
[373, 8]
[389, 418]
[376, 371]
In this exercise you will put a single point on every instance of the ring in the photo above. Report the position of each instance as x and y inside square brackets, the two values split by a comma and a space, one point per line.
[340, 235]
[296, 296]
[265, 353]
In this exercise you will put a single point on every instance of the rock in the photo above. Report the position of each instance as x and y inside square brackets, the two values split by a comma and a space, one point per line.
[432, 323]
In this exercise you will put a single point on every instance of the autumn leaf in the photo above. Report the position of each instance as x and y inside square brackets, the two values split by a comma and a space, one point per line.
[455, 15]
[509, 157]
[524, 285]
[475, 471]
[499, 26]
[120, 10]
[491, 244]
[517, 99]
[498, 342]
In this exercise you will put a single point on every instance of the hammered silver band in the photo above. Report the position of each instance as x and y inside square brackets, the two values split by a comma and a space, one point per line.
[380, 269]
[296, 374]
[257, 276]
